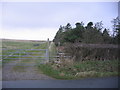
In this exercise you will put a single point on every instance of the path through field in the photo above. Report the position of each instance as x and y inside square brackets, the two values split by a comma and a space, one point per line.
[15, 72]
[23, 61]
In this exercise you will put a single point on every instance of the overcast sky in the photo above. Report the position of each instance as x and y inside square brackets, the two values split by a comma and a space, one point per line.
[41, 20]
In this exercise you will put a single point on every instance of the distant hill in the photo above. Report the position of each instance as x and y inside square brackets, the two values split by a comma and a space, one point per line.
[17, 40]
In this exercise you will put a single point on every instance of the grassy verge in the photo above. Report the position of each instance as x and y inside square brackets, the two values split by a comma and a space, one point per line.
[48, 70]
[80, 70]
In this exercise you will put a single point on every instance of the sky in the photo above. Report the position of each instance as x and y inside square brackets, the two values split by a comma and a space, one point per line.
[41, 20]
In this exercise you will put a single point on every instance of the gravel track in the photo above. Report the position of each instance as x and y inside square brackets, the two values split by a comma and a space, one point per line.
[29, 73]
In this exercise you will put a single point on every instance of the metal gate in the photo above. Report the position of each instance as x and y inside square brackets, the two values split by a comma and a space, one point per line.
[25, 56]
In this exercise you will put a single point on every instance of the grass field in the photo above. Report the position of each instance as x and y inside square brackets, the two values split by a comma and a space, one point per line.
[9, 47]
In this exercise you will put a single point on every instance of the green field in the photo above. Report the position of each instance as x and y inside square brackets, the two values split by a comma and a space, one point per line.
[9, 47]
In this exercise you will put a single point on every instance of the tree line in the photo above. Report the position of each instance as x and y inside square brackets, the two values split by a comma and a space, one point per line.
[90, 34]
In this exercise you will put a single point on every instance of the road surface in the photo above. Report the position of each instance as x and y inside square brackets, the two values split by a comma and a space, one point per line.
[108, 82]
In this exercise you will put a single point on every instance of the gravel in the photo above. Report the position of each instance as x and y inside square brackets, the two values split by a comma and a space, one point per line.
[29, 73]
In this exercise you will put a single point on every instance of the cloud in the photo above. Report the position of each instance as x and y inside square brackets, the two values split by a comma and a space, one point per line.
[30, 34]
[39, 21]
[32, 15]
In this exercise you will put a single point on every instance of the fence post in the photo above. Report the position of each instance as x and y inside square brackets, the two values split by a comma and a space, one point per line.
[47, 56]
[19, 56]
[47, 51]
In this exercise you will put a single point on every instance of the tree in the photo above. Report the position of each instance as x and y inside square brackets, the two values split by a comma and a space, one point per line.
[116, 23]
[78, 25]
[88, 34]
[116, 29]
[99, 25]
[75, 34]
[105, 32]
[82, 24]
[91, 35]
[70, 36]
[78, 31]
[90, 24]
[59, 35]
[61, 28]
[68, 27]
[106, 37]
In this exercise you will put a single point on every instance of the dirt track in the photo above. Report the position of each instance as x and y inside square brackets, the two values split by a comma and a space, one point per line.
[26, 73]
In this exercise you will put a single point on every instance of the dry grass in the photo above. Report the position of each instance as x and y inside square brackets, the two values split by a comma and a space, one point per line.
[84, 74]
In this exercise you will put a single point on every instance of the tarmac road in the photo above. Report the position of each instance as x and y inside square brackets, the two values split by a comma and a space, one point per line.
[106, 82]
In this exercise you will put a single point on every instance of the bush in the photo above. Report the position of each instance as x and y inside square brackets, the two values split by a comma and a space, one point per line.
[81, 52]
